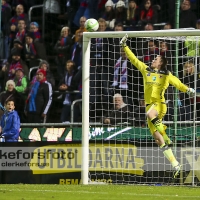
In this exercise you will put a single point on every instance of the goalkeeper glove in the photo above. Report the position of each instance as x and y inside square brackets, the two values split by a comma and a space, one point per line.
[123, 41]
[191, 92]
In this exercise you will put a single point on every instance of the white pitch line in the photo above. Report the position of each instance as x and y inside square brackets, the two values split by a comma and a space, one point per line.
[89, 192]
[160, 195]
[117, 133]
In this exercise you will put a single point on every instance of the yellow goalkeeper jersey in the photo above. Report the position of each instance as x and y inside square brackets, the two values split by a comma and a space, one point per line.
[155, 81]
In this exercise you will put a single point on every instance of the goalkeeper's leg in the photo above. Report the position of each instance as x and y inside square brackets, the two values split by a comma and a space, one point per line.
[152, 114]
[158, 131]
[167, 151]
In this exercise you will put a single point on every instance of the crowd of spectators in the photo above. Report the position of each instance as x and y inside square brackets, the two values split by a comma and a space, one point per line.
[115, 85]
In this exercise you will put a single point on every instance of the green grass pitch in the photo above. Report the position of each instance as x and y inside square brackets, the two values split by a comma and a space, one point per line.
[101, 192]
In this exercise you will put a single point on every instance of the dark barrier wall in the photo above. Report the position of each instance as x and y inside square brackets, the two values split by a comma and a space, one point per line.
[98, 133]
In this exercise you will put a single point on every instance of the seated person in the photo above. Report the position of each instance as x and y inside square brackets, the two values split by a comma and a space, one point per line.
[67, 84]
[167, 53]
[81, 29]
[132, 15]
[109, 14]
[21, 30]
[148, 12]
[167, 26]
[120, 13]
[149, 27]
[14, 22]
[29, 49]
[16, 61]
[18, 44]
[187, 18]
[20, 80]
[49, 76]
[34, 27]
[151, 52]
[62, 48]
[119, 113]
[11, 93]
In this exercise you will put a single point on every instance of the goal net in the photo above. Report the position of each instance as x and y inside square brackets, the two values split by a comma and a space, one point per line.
[120, 145]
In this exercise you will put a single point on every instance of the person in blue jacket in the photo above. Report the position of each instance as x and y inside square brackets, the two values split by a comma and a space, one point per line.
[10, 123]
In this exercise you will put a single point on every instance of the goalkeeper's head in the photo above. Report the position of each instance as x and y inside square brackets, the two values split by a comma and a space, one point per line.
[160, 63]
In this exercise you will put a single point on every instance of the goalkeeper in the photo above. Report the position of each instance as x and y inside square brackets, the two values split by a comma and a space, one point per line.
[156, 79]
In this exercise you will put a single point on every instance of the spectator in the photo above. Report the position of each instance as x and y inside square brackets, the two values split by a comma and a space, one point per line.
[187, 16]
[21, 31]
[5, 17]
[198, 24]
[78, 106]
[120, 13]
[14, 21]
[68, 84]
[39, 99]
[18, 44]
[132, 15]
[140, 112]
[10, 123]
[11, 93]
[167, 26]
[21, 81]
[16, 62]
[188, 79]
[15, 3]
[81, 29]
[151, 53]
[122, 75]
[115, 53]
[149, 27]
[164, 51]
[49, 76]
[109, 14]
[119, 112]
[119, 27]
[34, 27]
[62, 48]
[29, 47]
[76, 51]
[148, 13]
[30, 51]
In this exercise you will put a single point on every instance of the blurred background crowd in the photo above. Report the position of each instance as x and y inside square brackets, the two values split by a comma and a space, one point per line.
[41, 43]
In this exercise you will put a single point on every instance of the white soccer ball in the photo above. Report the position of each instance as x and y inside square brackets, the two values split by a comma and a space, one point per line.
[91, 25]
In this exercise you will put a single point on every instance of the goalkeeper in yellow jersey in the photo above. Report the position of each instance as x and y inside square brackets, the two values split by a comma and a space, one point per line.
[156, 79]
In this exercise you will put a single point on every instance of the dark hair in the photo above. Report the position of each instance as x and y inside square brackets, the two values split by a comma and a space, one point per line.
[168, 24]
[71, 61]
[119, 24]
[154, 41]
[11, 99]
[164, 62]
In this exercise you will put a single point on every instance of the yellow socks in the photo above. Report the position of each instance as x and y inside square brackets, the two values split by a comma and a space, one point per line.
[161, 129]
[169, 155]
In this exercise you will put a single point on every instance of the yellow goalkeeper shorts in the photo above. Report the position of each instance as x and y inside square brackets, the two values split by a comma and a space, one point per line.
[161, 108]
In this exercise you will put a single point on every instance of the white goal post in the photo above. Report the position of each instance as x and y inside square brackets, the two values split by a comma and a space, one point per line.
[86, 78]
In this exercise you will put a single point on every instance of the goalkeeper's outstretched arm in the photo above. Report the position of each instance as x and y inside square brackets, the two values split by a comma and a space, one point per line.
[130, 55]
[173, 80]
